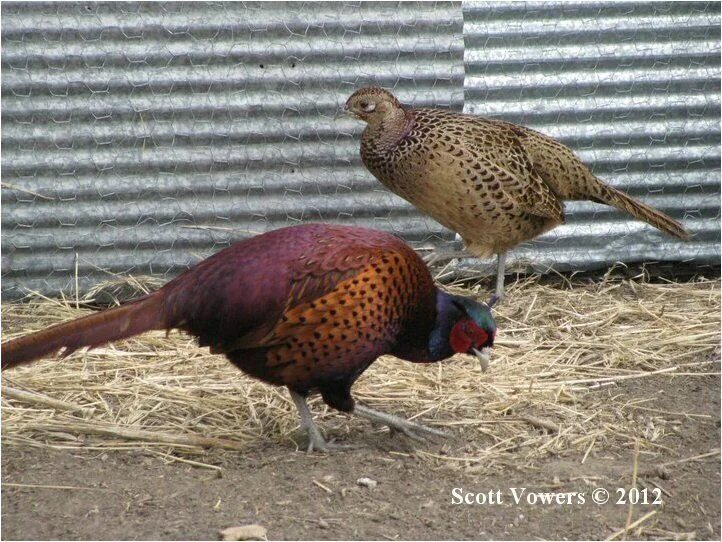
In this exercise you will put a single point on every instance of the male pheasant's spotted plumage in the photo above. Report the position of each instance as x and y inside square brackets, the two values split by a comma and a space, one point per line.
[308, 307]
[495, 183]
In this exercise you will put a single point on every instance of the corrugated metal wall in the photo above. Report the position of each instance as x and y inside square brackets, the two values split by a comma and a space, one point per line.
[634, 88]
[138, 138]
[145, 136]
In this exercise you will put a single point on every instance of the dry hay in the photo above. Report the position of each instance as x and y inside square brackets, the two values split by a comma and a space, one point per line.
[559, 357]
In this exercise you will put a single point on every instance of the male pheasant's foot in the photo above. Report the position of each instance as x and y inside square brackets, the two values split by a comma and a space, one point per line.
[316, 442]
[411, 429]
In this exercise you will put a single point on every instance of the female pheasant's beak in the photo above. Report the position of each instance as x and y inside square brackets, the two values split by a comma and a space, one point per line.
[484, 356]
[350, 112]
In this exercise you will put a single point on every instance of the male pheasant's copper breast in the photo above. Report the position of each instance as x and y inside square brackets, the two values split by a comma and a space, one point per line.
[342, 332]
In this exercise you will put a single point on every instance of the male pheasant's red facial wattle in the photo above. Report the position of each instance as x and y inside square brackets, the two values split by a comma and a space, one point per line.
[466, 335]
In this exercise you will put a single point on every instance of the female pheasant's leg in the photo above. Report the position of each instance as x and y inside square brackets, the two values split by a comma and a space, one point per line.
[315, 439]
[500, 262]
[410, 429]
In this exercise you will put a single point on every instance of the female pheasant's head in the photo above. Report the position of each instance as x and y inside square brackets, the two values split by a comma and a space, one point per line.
[463, 326]
[373, 105]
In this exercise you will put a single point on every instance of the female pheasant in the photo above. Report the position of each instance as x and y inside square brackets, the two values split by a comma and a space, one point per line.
[495, 183]
[308, 307]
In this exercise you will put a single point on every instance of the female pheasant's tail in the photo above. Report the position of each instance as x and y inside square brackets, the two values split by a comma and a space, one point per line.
[611, 196]
[93, 330]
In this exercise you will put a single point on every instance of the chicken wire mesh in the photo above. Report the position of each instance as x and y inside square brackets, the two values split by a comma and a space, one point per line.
[140, 137]
[634, 89]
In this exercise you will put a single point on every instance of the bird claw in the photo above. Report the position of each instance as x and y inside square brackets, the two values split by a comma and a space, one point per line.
[420, 433]
[406, 431]
[395, 424]
[316, 443]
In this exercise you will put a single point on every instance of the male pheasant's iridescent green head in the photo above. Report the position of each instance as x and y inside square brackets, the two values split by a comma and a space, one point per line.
[373, 104]
[463, 326]
[474, 332]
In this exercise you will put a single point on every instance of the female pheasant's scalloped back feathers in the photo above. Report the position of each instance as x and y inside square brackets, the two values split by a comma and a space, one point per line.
[309, 307]
[495, 183]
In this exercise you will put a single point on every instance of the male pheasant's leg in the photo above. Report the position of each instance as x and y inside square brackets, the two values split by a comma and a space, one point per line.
[410, 429]
[315, 439]
[500, 262]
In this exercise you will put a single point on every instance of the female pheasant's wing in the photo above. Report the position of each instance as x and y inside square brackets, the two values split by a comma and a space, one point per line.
[507, 169]
[472, 158]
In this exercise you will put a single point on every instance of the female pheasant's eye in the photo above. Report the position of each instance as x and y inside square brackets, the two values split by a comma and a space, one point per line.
[368, 106]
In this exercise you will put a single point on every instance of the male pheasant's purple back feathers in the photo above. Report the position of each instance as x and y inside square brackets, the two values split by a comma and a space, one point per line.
[236, 296]
[308, 304]
[300, 306]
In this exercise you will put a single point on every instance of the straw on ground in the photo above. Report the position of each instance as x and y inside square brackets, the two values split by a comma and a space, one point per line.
[559, 359]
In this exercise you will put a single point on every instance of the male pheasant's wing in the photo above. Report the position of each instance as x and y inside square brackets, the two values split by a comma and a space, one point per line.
[235, 298]
[385, 299]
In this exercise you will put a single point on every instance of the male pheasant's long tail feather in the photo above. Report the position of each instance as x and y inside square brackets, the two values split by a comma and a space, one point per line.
[91, 331]
[611, 196]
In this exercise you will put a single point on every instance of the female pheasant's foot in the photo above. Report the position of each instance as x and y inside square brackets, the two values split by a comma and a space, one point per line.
[412, 430]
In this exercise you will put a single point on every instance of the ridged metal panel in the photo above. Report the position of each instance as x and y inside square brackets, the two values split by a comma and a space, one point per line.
[144, 136]
[634, 88]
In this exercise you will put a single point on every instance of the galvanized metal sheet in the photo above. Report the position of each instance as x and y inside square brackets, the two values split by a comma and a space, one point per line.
[140, 137]
[634, 88]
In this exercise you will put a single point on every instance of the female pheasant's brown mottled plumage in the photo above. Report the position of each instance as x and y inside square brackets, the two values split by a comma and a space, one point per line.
[495, 183]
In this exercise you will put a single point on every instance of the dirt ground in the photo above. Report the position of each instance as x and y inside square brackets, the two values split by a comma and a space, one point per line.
[588, 380]
[132, 495]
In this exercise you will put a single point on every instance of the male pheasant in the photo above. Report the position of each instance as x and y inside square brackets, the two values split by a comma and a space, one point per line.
[495, 183]
[309, 307]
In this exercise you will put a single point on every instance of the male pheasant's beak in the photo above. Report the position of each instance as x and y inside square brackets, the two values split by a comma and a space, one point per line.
[484, 356]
